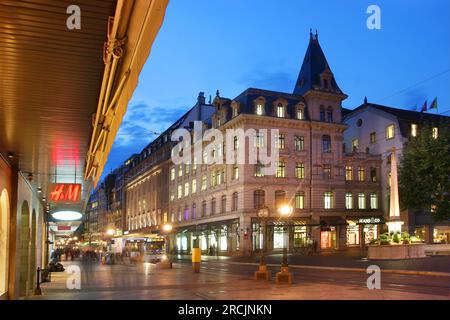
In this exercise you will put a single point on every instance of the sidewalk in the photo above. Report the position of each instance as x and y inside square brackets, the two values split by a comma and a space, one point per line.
[146, 281]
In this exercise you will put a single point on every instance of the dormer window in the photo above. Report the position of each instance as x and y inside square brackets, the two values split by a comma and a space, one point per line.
[325, 83]
[322, 113]
[259, 109]
[300, 112]
[235, 111]
[280, 111]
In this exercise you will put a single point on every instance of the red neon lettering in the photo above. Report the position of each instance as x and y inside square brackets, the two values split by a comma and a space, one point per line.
[58, 194]
[72, 192]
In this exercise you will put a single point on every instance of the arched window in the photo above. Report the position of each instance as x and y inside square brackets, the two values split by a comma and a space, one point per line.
[322, 113]
[326, 143]
[234, 205]
[280, 111]
[330, 114]
[259, 198]
[280, 198]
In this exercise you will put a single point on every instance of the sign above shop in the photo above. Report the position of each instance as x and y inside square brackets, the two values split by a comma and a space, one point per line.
[371, 220]
[65, 192]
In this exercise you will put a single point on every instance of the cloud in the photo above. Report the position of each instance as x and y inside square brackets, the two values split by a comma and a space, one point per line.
[277, 81]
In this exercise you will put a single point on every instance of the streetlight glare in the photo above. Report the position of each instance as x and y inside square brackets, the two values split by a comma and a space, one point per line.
[110, 232]
[167, 227]
[285, 210]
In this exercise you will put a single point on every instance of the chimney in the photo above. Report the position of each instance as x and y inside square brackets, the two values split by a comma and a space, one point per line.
[201, 98]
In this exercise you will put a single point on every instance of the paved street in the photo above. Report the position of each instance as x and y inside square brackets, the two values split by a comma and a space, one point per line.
[231, 280]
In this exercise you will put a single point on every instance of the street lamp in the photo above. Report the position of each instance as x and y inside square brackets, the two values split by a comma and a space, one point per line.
[284, 275]
[166, 229]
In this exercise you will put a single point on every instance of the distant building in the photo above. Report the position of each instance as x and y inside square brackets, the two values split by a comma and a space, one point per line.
[376, 129]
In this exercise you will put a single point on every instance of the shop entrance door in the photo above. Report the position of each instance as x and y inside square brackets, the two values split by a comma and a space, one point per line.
[328, 238]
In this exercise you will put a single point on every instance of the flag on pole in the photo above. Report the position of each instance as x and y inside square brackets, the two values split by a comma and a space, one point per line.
[433, 104]
[425, 106]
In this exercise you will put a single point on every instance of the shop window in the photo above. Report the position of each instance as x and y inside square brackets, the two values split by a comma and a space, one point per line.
[352, 234]
[370, 233]
[300, 237]
[279, 237]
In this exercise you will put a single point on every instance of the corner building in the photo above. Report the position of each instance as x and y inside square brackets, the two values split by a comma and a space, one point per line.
[235, 209]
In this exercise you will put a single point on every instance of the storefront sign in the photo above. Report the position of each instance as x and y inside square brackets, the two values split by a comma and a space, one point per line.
[65, 192]
[371, 220]
[64, 228]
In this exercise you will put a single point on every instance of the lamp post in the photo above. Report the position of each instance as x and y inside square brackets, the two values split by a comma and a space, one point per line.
[284, 276]
[166, 229]
[262, 273]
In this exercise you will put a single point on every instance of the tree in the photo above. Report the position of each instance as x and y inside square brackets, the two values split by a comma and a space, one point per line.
[424, 172]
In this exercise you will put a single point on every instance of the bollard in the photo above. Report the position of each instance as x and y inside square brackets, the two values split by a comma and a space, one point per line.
[196, 259]
[38, 291]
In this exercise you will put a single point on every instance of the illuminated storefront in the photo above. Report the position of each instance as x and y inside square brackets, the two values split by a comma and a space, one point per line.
[361, 231]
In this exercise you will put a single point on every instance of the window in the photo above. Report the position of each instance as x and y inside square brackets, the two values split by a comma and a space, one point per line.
[330, 114]
[348, 173]
[220, 177]
[259, 140]
[204, 186]
[194, 211]
[413, 130]
[281, 168]
[390, 132]
[435, 132]
[223, 204]
[235, 172]
[326, 143]
[300, 170]
[259, 109]
[259, 199]
[236, 143]
[234, 204]
[180, 170]
[373, 174]
[327, 171]
[235, 112]
[299, 143]
[205, 157]
[361, 174]
[355, 144]
[280, 140]
[300, 200]
[348, 200]
[280, 198]
[172, 195]
[194, 165]
[172, 174]
[194, 186]
[322, 113]
[186, 189]
[204, 208]
[280, 111]
[180, 191]
[186, 213]
[213, 179]
[328, 200]
[259, 171]
[361, 200]
[373, 201]
[213, 206]
[373, 137]
[300, 114]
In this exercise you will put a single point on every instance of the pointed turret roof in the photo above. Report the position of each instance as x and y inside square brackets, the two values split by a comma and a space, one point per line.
[314, 64]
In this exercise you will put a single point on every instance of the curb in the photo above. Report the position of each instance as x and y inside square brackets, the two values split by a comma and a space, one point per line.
[393, 271]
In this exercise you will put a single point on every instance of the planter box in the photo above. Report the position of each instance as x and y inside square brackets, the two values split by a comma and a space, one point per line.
[399, 251]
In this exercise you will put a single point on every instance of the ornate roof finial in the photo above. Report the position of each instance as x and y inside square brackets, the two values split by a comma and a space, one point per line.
[317, 36]
[310, 34]
[217, 93]
[365, 100]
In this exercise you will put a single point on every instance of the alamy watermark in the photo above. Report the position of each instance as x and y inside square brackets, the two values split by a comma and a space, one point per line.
[374, 20]
[74, 279]
[74, 20]
[374, 280]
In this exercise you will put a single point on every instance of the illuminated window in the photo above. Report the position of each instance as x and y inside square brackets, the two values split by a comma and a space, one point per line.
[172, 195]
[236, 143]
[259, 109]
[327, 171]
[348, 173]
[204, 183]
[435, 132]
[355, 144]
[280, 198]
[349, 200]
[172, 174]
[205, 157]
[390, 132]
[373, 137]
[373, 201]
[213, 179]
[300, 200]
[259, 140]
[235, 173]
[281, 168]
[361, 174]
[180, 191]
[280, 140]
[373, 174]
[413, 130]
[361, 200]
[186, 189]
[300, 170]
[180, 170]
[300, 114]
[259, 172]
[328, 200]
[280, 111]
[299, 143]
[194, 186]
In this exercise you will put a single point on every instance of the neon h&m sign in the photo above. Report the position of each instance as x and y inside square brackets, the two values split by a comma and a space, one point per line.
[65, 192]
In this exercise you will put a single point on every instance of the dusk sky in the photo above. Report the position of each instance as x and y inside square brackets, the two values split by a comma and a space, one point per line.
[231, 45]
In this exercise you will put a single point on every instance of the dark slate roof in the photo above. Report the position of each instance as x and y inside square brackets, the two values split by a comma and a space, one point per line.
[247, 98]
[404, 117]
[314, 64]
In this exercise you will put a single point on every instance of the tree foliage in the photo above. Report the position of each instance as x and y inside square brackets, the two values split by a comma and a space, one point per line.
[424, 172]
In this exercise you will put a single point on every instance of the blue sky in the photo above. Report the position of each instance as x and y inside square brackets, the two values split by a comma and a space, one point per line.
[230, 45]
